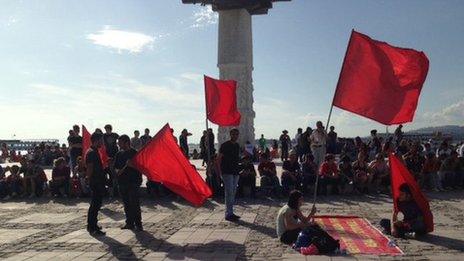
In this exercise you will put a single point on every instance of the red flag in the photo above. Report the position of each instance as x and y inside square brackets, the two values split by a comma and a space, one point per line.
[86, 142]
[221, 102]
[380, 81]
[399, 176]
[161, 160]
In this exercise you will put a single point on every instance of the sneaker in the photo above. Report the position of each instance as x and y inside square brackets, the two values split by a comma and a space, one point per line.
[139, 228]
[235, 216]
[97, 233]
[410, 235]
[231, 218]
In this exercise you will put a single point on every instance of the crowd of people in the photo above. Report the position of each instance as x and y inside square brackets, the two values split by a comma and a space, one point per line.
[343, 166]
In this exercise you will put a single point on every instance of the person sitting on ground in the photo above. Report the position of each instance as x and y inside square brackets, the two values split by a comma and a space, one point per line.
[247, 179]
[268, 173]
[79, 187]
[430, 173]
[291, 173]
[380, 172]
[447, 170]
[14, 181]
[212, 177]
[346, 174]
[413, 222]
[309, 170]
[59, 184]
[361, 175]
[329, 176]
[290, 220]
[3, 184]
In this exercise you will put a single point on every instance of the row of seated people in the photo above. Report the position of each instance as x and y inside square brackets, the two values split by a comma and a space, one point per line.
[345, 177]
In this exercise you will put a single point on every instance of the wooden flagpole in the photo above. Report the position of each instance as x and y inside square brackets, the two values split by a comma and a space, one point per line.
[330, 112]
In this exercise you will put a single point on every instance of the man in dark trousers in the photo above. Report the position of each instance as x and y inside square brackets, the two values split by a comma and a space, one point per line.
[129, 180]
[228, 166]
[96, 180]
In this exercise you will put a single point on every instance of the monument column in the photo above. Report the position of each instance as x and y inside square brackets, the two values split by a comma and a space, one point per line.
[235, 62]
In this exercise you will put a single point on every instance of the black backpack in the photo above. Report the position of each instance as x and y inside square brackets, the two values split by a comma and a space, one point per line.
[324, 242]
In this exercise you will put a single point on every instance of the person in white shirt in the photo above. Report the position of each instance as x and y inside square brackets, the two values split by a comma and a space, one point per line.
[318, 140]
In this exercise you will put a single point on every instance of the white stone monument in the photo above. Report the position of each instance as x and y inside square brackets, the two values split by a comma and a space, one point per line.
[235, 56]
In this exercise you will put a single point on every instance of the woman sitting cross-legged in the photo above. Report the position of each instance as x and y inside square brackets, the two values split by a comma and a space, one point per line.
[290, 220]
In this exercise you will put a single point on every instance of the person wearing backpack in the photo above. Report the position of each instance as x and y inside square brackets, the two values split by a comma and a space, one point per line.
[290, 220]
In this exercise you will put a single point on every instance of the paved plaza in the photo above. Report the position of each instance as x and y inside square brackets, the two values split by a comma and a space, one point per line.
[54, 229]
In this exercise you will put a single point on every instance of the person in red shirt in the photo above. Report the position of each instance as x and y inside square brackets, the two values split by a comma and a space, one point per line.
[328, 175]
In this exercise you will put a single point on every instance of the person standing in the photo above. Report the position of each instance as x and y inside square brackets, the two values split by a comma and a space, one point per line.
[318, 142]
[183, 142]
[262, 143]
[228, 166]
[75, 145]
[146, 137]
[332, 141]
[284, 144]
[399, 134]
[129, 180]
[96, 179]
[203, 151]
[136, 142]
[110, 139]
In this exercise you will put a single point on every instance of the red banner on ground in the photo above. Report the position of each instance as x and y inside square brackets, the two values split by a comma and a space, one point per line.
[399, 176]
[161, 160]
[380, 81]
[357, 235]
[221, 102]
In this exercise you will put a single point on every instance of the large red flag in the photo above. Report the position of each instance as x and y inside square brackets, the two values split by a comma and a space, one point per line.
[380, 81]
[86, 142]
[399, 176]
[161, 160]
[221, 102]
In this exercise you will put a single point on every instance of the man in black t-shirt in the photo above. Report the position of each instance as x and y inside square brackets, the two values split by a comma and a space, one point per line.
[110, 139]
[75, 145]
[129, 180]
[146, 137]
[228, 160]
[96, 179]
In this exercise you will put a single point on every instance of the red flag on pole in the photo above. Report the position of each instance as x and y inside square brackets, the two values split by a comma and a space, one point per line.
[221, 102]
[86, 142]
[380, 81]
[399, 176]
[161, 160]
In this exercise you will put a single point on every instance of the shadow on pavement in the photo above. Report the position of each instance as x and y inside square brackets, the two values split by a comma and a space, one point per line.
[447, 242]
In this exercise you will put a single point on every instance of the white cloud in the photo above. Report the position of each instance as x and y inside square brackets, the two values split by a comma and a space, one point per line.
[133, 42]
[204, 16]
[452, 114]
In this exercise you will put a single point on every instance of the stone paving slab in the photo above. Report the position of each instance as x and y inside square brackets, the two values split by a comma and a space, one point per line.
[46, 218]
[55, 256]
[15, 205]
[207, 236]
[119, 217]
[11, 235]
[82, 236]
[214, 218]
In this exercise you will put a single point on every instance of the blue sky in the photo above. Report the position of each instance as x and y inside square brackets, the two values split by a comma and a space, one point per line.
[138, 64]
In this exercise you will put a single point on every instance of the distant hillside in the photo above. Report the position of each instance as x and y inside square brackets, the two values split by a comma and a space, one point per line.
[455, 131]
[447, 129]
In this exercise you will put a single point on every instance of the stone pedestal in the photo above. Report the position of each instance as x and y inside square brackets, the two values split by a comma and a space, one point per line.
[235, 62]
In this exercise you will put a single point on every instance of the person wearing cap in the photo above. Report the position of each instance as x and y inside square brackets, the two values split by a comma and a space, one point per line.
[318, 140]
[284, 144]
[183, 143]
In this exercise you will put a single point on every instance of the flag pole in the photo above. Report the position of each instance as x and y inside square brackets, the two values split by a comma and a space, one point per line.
[208, 156]
[330, 113]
